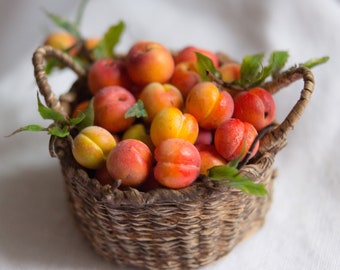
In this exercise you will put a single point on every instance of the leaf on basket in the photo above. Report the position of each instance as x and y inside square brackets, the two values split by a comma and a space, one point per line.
[28, 128]
[48, 113]
[314, 62]
[59, 131]
[205, 65]
[107, 44]
[230, 175]
[70, 27]
[87, 117]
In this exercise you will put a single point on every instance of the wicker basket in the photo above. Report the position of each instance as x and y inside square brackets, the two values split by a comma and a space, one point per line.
[164, 228]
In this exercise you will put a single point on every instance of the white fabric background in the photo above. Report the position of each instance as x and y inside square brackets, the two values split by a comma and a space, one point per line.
[302, 226]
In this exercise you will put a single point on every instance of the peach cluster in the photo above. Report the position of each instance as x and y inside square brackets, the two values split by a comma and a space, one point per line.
[191, 124]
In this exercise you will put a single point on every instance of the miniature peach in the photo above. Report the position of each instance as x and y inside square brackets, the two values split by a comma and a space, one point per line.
[149, 61]
[256, 106]
[185, 77]
[178, 163]
[130, 161]
[110, 105]
[139, 132]
[62, 40]
[230, 71]
[172, 123]
[233, 138]
[80, 107]
[107, 72]
[209, 105]
[157, 96]
[188, 54]
[209, 157]
[92, 146]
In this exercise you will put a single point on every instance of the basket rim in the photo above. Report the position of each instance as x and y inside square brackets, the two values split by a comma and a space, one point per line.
[198, 190]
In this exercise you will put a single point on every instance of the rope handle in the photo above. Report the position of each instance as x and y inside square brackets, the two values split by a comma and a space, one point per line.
[39, 58]
[273, 141]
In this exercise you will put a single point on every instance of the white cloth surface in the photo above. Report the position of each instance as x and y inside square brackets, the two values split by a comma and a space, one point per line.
[301, 231]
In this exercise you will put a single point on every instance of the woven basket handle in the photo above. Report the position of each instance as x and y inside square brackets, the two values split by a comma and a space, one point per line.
[39, 58]
[276, 139]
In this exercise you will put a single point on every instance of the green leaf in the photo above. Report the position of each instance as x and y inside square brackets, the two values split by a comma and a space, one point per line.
[105, 48]
[277, 61]
[51, 64]
[137, 110]
[28, 128]
[222, 171]
[205, 64]
[64, 24]
[316, 61]
[76, 120]
[59, 131]
[225, 174]
[80, 12]
[249, 187]
[251, 70]
[48, 113]
[88, 119]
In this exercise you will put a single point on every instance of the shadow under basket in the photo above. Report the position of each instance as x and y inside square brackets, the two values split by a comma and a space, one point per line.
[164, 228]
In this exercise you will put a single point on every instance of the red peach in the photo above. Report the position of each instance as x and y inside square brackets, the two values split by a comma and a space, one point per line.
[209, 157]
[110, 105]
[185, 77]
[256, 106]
[130, 161]
[178, 163]
[149, 61]
[188, 54]
[92, 146]
[107, 72]
[204, 136]
[209, 105]
[157, 96]
[234, 137]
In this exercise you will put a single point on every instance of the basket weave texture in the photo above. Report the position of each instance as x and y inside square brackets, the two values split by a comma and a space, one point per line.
[164, 228]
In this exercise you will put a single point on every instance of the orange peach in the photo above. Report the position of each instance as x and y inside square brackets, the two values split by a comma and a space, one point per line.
[256, 106]
[61, 40]
[188, 54]
[107, 72]
[130, 161]
[149, 61]
[185, 77]
[230, 72]
[172, 123]
[178, 163]
[209, 105]
[234, 138]
[80, 108]
[209, 157]
[110, 105]
[92, 146]
[157, 96]
[91, 43]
